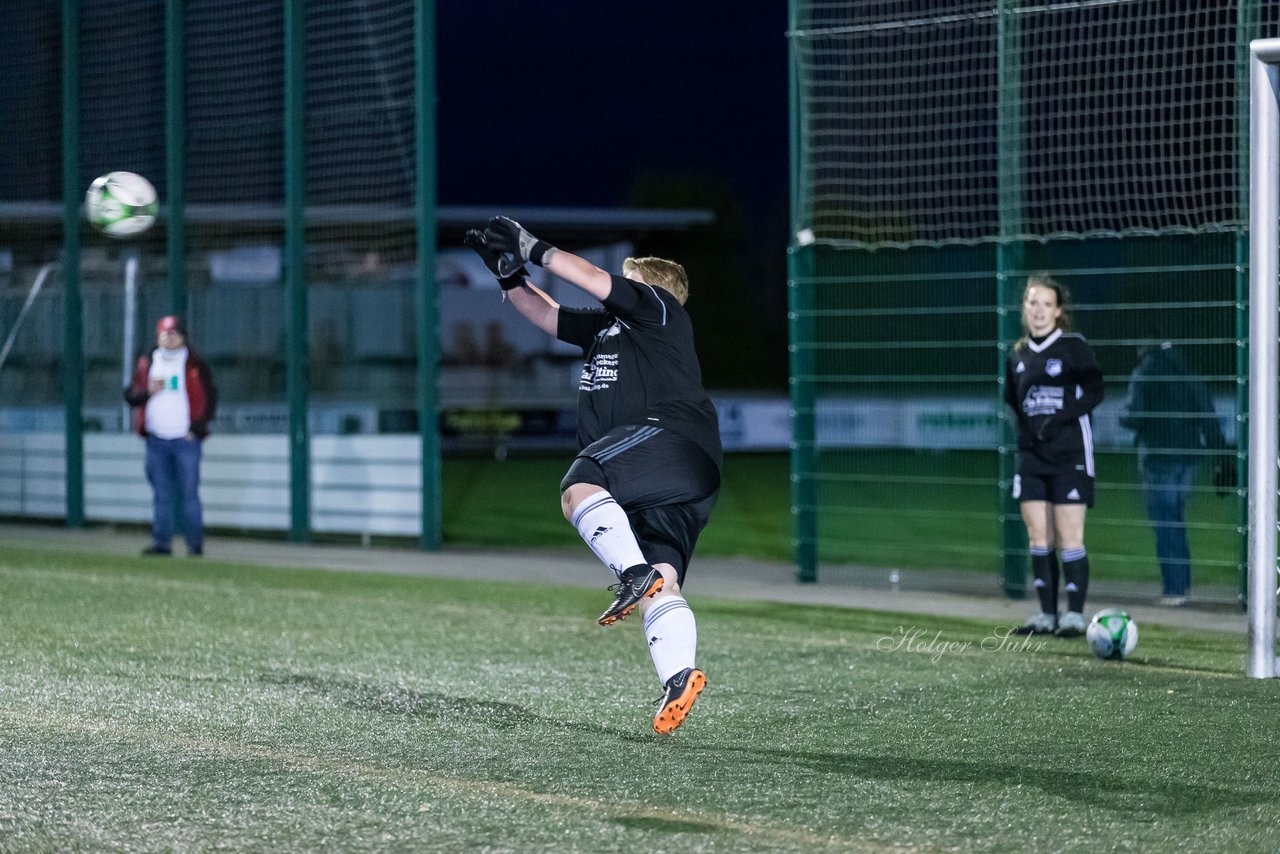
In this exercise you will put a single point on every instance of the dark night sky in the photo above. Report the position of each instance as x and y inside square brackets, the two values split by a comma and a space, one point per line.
[609, 103]
[565, 102]
[668, 103]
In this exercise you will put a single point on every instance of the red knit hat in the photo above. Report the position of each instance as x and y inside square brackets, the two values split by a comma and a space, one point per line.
[171, 323]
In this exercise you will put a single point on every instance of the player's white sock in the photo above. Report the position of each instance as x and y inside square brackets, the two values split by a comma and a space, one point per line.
[672, 634]
[603, 524]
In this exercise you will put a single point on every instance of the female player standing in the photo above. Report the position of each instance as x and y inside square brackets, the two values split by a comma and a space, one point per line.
[1052, 382]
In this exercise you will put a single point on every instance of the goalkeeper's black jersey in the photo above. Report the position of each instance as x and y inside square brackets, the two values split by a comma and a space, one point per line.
[641, 366]
[1052, 384]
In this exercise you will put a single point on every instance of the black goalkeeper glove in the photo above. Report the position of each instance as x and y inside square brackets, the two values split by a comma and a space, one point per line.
[509, 237]
[474, 240]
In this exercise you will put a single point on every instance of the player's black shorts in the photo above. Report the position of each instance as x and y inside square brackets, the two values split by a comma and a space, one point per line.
[666, 484]
[1065, 481]
[1063, 487]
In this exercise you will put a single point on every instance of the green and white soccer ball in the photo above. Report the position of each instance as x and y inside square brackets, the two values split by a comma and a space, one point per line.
[121, 204]
[1112, 634]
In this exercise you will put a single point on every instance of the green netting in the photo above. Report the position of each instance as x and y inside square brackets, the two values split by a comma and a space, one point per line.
[942, 153]
[358, 151]
[304, 337]
[1100, 118]
[359, 183]
[909, 438]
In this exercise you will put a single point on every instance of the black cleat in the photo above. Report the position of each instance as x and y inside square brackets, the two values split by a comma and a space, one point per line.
[682, 690]
[634, 584]
[156, 551]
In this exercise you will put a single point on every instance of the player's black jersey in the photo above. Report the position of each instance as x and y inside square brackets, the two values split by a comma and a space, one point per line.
[641, 366]
[1052, 385]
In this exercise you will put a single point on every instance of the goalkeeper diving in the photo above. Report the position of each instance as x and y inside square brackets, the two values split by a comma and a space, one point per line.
[641, 488]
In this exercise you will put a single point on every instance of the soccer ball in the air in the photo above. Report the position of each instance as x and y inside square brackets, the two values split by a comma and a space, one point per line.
[121, 204]
[1112, 634]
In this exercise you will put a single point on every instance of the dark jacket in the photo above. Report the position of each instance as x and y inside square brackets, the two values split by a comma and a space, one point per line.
[201, 394]
[1168, 408]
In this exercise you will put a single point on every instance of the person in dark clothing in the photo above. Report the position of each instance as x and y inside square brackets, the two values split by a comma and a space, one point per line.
[173, 400]
[1052, 382]
[642, 486]
[1174, 427]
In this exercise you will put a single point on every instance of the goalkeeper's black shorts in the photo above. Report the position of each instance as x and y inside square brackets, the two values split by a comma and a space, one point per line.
[666, 484]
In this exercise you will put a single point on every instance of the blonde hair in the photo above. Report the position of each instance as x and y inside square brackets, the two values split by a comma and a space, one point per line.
[1044, 280]
[660, 273]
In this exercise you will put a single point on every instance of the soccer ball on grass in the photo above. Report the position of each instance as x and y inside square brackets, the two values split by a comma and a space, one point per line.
[121, 204]
[1112, 634]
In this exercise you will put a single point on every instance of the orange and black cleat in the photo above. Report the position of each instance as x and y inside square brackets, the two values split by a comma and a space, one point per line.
[634, 584]
[682, 690]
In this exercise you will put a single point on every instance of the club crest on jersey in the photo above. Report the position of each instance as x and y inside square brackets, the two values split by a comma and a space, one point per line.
[1021, 367]
[1053, 367]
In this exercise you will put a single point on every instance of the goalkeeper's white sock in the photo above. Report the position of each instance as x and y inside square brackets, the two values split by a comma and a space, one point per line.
[672, 634]
[603, 525]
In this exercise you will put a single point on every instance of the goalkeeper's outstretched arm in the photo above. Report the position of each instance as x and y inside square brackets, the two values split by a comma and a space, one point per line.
[579, 271]
[536, 305]
[505, 235]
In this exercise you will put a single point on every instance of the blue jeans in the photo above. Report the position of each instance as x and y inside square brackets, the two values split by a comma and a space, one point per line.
[173, 468]
[1167, 482]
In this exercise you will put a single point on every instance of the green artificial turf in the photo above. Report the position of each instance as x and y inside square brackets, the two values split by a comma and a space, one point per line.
[207, 706]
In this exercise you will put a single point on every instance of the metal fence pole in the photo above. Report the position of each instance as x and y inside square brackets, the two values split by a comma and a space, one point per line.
[427, 291]
[295, 270]
[73, 325]
[800, 271]
[175, 145]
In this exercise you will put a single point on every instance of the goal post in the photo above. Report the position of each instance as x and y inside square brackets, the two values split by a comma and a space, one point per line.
[1264, 350]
